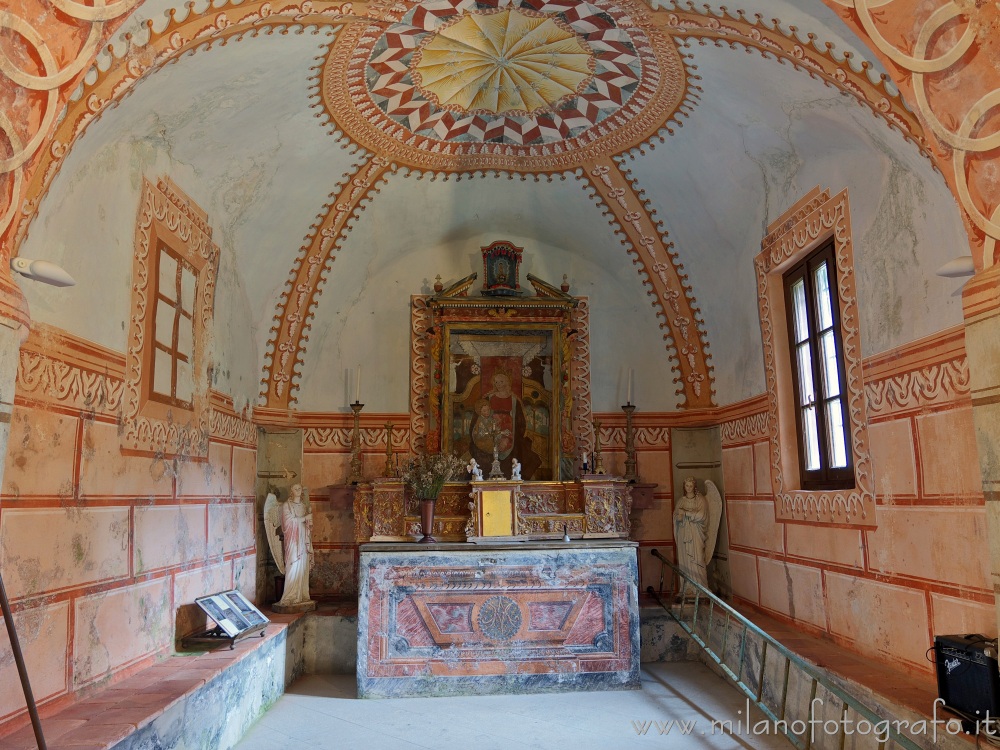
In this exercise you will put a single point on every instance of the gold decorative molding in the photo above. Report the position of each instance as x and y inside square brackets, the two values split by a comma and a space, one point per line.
[672, 296]
[292, 319]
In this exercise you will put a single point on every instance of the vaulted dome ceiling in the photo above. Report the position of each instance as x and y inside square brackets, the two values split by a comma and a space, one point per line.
[640, 151]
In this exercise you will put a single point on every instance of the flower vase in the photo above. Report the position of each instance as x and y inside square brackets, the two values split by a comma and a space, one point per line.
[427, 519]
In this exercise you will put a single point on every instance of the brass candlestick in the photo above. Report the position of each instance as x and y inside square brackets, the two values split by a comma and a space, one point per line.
[388, 450]
[356, 477]
[598, 461]
[631, 469]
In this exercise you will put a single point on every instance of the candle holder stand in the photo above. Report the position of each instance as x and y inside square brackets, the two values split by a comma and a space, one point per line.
[389, 469]
[631, 465]
[598, 460]
[356, 477]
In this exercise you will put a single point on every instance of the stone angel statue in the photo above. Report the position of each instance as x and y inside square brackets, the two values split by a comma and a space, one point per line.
[696, 527]
[289, 535]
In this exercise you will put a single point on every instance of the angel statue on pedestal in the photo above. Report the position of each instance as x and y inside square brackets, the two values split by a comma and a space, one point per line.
[696, 526]
[289, 535]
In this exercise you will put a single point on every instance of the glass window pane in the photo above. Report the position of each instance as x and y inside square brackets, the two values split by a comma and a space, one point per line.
[807, 390]
[824, 310]
[831, 377]
[837, 434]
[185, 335]
[185, 383]
[810, 436]
[164, 332]
[187, 289]
[161, 373]
[800, 319]
[168, 276]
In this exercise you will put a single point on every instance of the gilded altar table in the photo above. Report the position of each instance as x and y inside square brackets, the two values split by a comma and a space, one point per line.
[595, 506]
[472, 619]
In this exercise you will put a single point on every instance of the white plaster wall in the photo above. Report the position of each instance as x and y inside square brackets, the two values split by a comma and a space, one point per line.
[416, 228]
[762, 136]
[230, 126]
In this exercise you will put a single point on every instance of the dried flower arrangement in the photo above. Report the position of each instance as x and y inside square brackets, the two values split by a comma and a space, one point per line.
[426, 473]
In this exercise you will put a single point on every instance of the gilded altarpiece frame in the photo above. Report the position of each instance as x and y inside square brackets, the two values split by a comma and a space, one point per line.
[516, 371]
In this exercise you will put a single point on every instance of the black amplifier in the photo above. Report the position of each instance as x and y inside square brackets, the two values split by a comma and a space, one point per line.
[967, 676]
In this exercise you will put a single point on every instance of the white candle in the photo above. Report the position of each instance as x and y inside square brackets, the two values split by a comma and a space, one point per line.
[629, 400]
[357, 386]
[585, 458]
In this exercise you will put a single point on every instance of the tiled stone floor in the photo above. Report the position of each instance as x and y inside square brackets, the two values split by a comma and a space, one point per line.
[322, 711]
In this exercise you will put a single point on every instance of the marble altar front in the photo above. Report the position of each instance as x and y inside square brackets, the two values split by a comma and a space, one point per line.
[456, 618]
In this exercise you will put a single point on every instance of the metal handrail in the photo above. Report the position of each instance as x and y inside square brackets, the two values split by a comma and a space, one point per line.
[769, 644]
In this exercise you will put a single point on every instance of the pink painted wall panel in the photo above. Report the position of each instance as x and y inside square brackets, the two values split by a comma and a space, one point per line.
[322, 469]
[949, 458]
[105, 471]
[890, 622]
[941, 544]
[752, 524]
[738, 470]
[743, 569]
[841, 546]
[245, 575]
[41, 453]
[892, 457]
[333, 523]
[953, 615]
[43, 633]
[654, 523]
[762, 468]
[244, 471]
[231, 527]
[655, 469]
[116, 628]
[793, 590]
[45, 550]
[207, 478]
[168, 535]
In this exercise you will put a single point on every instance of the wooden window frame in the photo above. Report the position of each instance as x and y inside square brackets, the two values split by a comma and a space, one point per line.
[818, 218]
[827, 476]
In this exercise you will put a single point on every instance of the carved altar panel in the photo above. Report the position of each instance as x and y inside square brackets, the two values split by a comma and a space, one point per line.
[592, 507]
[454, 619]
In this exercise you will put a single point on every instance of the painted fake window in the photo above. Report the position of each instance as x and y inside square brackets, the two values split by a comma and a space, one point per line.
[173, 340]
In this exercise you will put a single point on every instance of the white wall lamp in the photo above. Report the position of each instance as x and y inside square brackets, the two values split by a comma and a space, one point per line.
[957, 267]
[41, 270]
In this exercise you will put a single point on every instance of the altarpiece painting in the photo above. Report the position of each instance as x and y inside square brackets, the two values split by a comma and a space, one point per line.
[500, 396]
[510, 373]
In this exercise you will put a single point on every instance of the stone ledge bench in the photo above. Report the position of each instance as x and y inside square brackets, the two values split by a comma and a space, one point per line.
[204, 698]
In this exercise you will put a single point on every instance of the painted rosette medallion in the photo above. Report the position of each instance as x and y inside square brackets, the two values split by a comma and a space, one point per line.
[546, 83]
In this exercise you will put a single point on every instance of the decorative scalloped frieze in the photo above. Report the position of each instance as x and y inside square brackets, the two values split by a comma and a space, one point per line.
[44, 378]
[935, 384]
[745, 428]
